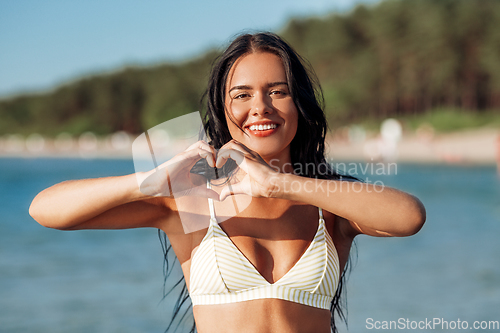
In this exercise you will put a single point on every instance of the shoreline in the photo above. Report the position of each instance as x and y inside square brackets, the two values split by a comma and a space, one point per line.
[474, 146]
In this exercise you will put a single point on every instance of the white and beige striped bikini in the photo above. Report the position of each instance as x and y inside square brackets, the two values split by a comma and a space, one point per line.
[221, 274]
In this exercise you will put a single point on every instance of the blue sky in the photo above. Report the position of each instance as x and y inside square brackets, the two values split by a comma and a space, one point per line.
[46, 43]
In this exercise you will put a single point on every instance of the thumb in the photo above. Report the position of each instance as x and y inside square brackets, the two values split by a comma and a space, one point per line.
[201, 191]
[239, 188]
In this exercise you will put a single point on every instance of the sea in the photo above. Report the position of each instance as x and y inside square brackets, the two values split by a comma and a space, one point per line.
[445, 278]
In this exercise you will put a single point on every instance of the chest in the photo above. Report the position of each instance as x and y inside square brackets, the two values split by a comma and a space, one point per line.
[274, 253]
[272, 243]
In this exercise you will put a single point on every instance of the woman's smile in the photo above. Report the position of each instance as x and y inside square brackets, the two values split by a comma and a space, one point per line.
[262, 128]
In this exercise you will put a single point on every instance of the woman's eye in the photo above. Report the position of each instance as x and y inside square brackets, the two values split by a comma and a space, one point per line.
[241, 96]
[278, 93]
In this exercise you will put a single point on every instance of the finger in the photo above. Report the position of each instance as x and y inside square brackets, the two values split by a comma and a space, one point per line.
[236, 145]
[199, 144]
[190, 157]
[192, 150]
[208, 148]
[225, 154]
[247, 152]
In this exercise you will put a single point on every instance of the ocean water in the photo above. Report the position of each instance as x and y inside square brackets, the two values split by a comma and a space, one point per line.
[112, 281]
[449, 271]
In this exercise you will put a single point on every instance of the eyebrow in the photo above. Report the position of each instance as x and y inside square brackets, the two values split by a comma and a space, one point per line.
[246, 87]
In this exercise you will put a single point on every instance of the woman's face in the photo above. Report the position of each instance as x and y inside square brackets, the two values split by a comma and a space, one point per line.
[258, 100]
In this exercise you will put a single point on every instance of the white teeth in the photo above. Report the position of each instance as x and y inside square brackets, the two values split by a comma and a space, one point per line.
[262, 127]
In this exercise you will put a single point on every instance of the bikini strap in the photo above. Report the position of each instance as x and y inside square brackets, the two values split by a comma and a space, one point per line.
[211, 207]
[321, 214]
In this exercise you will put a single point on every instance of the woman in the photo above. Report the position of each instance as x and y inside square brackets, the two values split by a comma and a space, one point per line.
[276, 265]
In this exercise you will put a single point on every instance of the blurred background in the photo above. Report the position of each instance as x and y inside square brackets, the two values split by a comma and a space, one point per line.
[412, 84]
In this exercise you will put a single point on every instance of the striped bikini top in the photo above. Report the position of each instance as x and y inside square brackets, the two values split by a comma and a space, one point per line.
[221, 274]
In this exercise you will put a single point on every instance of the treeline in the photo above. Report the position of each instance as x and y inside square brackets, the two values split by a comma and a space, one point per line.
[405, 57]
[396, 58]
[130, 100]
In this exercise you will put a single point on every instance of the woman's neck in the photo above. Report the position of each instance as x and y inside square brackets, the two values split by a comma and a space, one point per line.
[281, 163]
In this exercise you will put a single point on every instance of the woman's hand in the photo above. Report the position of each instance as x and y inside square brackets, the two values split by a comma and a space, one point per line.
[173, 178]
[260, 178]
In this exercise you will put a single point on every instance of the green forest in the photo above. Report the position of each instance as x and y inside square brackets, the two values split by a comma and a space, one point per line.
[410, 59]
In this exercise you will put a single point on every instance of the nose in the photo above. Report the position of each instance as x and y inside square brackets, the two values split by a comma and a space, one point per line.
[262, 104]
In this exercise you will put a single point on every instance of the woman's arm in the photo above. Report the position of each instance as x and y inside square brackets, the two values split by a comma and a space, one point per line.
[371, 209]
[119, 202]
[103, 203]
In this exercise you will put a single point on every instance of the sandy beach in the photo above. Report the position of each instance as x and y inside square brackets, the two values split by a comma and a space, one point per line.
[478, 146]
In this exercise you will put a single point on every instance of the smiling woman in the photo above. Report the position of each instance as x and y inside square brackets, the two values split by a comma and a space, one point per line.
[279, 264]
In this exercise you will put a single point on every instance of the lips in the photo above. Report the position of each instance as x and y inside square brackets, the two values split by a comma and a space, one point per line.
[264, 128]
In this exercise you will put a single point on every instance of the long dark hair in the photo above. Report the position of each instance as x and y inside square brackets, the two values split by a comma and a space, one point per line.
[308, 146]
